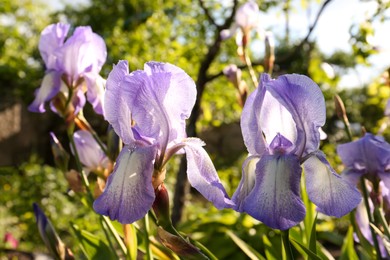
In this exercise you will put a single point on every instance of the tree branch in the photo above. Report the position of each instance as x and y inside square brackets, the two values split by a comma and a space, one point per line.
[202, 80]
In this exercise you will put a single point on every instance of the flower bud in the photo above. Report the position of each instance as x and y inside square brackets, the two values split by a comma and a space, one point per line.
[340, 108]
[161, 206]
[49, 235]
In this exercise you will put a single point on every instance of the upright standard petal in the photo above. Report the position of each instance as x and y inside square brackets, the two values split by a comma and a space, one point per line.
[251, 123]
[203, 176]
[52, 37]
[275, 199]
[116, 109]
[304, 100]
[179, 98]
[333, 195]
[50, 86]
[129, 193]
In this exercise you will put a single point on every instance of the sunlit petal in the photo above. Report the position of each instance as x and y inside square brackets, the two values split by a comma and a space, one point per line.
[129, 193]
[332, 194]
[275, 199]
[303, 99]
[116, 110]
[203, 176]
[50, 86]
[247, 182]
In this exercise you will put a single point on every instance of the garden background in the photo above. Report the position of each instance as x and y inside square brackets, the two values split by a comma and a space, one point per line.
[184, 33]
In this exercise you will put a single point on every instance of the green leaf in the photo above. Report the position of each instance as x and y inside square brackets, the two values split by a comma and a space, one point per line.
[313, 237]
[92, 246]
[247, 249]
[310, 253]
[348, 251]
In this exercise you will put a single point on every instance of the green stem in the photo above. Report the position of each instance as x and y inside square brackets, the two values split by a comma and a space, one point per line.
[90, 198]
[287, 245]
[149, 254]
[248, 63]
[370, 217]
[348, 129]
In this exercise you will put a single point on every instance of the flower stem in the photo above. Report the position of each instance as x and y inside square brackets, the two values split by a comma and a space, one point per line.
[149, 254]
[248, 63]
[370, 217]
[287, 245]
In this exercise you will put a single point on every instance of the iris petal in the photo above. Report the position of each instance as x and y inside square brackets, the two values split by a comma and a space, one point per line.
[179, 99]
[332, 194]
[89, 151]
[52, 37]
[95, 92]
[305, 102]
[247, 182]
[203, 176]
[50, 86]
[251, 121]
[116, 110]
[129, 193]
[275, 199]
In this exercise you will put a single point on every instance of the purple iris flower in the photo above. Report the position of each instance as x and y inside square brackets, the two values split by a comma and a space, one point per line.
[72, 67]
[368, 156]
[147, 109]
[90, 153]
[280, 125]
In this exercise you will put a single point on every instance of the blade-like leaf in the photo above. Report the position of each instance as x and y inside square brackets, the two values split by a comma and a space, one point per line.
[92, 246]
[311, 254]
[313, 237]
[247, 249]
[348, 251]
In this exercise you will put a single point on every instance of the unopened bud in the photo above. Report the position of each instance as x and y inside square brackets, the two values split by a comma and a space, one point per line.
[340, 108]
[74, 181]
[161, 206]
[61, 157]
[49, 235]
[179, 245]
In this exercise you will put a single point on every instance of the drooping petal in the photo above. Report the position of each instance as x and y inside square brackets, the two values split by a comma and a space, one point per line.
[116, 109]
[250, 119]
[50, 86]
[203, 176]
[275, 199]
[95, 92]
[333, 195]
[129, 193]
[247, 182]
[179, 99]
[89, 151]
[52, 37]
[304, 100]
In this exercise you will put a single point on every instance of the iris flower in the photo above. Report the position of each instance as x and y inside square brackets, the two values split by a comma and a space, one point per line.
[280, 125]
[147, 109]
[72, 67]
[368, 156]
